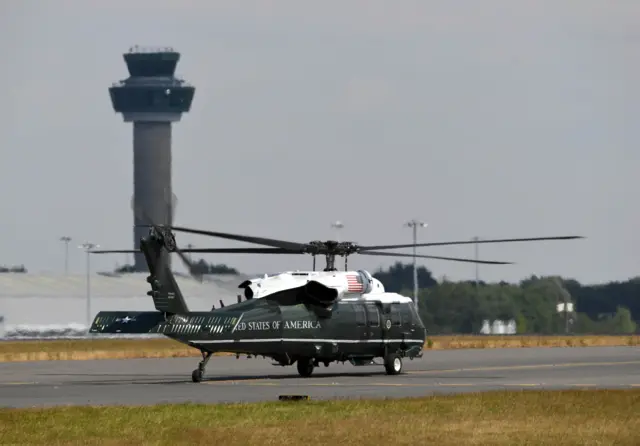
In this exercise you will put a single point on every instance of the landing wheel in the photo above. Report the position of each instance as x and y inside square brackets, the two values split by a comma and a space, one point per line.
[197, 374]
[393, 364]
[305, 367]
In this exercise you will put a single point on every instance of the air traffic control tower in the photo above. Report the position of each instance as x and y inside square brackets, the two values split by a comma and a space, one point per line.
[152, 98]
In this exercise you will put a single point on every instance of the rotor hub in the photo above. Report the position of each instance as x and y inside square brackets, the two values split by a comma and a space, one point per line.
[164, 236]
[331, 248]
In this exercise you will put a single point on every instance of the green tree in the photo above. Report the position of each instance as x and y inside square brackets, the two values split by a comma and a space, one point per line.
[622, 322]
[399, 276]
[521, 324]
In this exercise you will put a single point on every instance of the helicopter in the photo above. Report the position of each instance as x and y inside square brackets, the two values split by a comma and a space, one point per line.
[301, 317]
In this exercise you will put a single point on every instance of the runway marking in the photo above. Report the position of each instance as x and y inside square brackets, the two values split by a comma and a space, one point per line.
[253, 382]
[522, 367]
[235, 381]
[17, 383]
[522, 385]
[456, 384]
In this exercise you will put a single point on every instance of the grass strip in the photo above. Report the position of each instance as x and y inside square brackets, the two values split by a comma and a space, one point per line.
[575, 417]
[97, 348]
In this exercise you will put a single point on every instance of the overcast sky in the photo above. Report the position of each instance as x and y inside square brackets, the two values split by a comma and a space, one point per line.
[489, 119]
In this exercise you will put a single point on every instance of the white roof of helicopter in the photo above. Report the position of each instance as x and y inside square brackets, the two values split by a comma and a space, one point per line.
[373, 296]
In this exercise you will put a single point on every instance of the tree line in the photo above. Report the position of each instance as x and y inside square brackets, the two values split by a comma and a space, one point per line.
[13, 269]
[461, 307]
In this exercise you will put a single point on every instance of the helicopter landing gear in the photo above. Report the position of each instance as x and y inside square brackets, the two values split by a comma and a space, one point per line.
[197, 374]
[393, 364]
[305, 367]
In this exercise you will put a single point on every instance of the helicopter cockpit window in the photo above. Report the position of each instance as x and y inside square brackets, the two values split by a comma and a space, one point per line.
[405, 313]
[414, 315]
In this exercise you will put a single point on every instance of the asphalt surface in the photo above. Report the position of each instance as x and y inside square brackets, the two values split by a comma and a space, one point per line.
[151, 381]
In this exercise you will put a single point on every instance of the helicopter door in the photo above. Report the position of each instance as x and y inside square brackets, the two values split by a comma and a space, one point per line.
[362, 333]
[394, 323]
[373, 323]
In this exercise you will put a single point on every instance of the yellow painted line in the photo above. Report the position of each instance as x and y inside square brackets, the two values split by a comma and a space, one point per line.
[582, 385]
[522, 367]
[247, 383]
[397, 384]
[235, 381]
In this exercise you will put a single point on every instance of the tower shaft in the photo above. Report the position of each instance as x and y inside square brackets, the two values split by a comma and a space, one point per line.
[152, 188]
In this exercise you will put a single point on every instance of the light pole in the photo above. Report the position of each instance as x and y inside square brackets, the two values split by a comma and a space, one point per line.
[475, 239]
[337, 225]
[415, 224]
[66, 239]
[87, 248]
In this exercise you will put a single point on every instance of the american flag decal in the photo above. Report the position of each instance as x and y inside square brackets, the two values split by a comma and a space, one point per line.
[353, 284]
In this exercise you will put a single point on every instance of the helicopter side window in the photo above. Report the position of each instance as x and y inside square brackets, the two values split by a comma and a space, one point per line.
[395, 315]
[373, 316]
[361, 318]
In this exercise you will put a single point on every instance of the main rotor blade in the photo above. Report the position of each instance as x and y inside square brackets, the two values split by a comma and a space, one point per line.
[188, 264]
[243, 250]
[298, 247]
[455, 259]
[208, 250]
[114, 251]
[468, 242]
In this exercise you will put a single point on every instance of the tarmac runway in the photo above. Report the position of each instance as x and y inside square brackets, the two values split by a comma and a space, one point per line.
[151, 381]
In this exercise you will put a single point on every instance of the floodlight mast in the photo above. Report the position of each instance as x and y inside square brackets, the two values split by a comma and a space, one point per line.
[66, 239]
[87, 246]
[415, 224]
[475, 239]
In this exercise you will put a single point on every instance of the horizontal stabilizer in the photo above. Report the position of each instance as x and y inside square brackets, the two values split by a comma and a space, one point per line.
[133, 322]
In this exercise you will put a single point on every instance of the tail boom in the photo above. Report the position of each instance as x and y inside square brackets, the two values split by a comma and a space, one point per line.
[126, 322]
